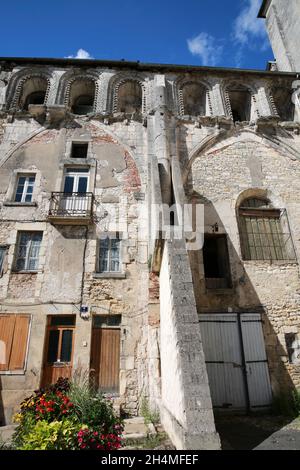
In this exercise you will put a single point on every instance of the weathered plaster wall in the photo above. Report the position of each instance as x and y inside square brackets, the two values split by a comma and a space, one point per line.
[220, 176]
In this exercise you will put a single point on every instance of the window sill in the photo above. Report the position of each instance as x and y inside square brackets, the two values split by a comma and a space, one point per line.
[19, 204]
[223, 291]
[12, 372]
[270, 262]
[107, 275]
[25, 272]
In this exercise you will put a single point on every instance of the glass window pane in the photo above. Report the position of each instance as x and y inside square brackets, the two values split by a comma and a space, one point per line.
[66, 346]
[103, 255]
[53, 346]
[63, 320]
[69, 183]
[18, 197]
[82, 184]
[2, 254]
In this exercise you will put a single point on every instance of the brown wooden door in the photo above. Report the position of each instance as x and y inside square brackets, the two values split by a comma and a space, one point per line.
[58, 350]
[105, 358]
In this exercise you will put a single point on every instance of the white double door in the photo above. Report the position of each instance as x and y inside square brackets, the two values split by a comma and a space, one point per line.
[76, 182]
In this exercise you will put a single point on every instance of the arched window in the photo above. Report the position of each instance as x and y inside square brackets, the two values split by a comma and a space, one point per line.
[33, 92]
[284, 105]
[82, 96]
[130, 97]
[194, 99]
[240, 103]
[264, 231]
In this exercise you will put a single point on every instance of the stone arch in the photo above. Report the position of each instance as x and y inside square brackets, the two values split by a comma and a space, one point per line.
[239, 87]
[280, 100]
[223, 139]
[181, 84]
[69, 78]
[17, 82]
[117, 82]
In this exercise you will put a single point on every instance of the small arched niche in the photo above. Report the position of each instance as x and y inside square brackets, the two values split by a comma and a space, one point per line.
[240, 103]
[284, 105]
[34, 92]
[194, 99]
[82, 96]
[130, 97]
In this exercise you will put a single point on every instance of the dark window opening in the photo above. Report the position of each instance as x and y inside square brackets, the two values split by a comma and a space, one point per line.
[100, 321]
[194, 99]
[216, 262]
[66, 346]
[53, 346]
[284, 103]
[83, 105]
[293, 347]
[79, 150]
[240, 102]
[62, 320]
[37, 97]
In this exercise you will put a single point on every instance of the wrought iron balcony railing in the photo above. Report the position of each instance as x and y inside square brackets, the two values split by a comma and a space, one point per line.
[71, 207]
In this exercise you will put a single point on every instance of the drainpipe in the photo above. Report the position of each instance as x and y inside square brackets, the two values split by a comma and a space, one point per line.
[162, 137]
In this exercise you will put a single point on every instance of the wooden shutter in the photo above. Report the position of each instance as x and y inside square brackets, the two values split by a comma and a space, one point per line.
[19, 344]
[14, 334]
[7, 324]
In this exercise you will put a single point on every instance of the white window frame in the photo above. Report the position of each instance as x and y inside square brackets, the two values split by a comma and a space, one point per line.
[27, 184]
[28, 256]
[109, 257]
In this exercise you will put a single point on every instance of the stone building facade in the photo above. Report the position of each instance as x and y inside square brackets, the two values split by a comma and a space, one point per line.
[90, 152]
[282, 23]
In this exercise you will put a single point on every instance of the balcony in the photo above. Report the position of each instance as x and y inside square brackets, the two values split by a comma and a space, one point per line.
[71, 208]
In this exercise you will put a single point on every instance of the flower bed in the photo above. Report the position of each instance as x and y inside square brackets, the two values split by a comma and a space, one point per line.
[67, 416]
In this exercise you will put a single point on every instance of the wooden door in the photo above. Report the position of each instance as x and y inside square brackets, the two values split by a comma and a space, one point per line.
[58, 349]
[105, 359]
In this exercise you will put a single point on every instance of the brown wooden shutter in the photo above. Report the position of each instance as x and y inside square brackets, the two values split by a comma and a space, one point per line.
[7, 324]
[19, 344]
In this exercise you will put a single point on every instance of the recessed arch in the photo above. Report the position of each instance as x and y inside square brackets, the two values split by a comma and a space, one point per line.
[71, 82]
[225, 138]
[239, 101]
[193, 97]
[136, 91]
[28, 87]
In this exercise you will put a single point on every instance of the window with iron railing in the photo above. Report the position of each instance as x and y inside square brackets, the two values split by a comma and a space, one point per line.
[264, 232]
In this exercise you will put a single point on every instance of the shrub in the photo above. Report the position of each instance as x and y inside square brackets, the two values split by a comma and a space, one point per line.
[57, 435]
[93, 409]
[94, 440]
[287, 404]
[67, 416]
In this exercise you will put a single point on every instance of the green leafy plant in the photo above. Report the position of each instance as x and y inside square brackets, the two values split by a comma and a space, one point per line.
[67, 415]
[287, 404]
[57, 435]
[150, 416]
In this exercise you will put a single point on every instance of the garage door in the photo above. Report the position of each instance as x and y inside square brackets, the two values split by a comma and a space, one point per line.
[236, 360]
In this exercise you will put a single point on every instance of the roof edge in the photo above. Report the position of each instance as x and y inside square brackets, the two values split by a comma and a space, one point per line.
[136, 65]
[264, 8]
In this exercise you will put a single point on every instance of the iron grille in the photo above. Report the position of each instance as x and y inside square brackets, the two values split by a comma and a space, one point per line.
[265, 235]
[71, 205]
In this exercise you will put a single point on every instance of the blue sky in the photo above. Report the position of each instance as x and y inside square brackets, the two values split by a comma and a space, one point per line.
[197, 32]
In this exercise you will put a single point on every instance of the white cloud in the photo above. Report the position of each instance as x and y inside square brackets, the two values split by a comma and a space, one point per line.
[206, 47]
[81, 54]
[247, 27]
